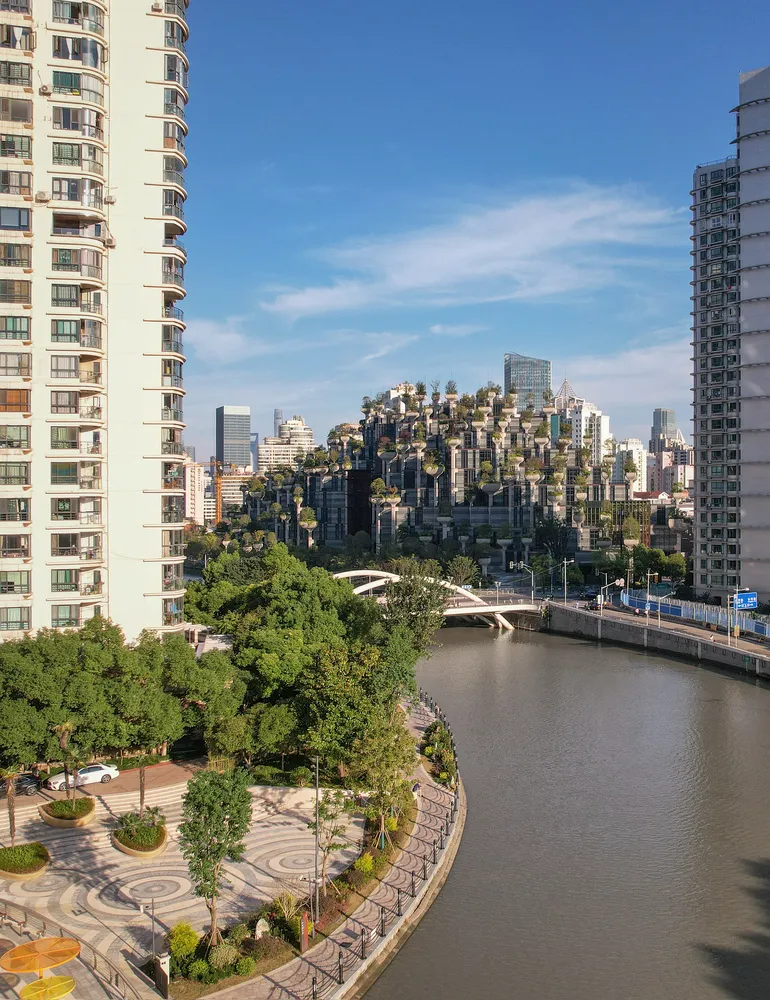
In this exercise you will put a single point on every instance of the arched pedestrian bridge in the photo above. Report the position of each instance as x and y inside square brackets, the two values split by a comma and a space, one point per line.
[477, 603]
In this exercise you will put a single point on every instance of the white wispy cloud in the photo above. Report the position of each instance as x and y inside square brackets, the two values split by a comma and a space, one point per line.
[530, 248]
[456, 329]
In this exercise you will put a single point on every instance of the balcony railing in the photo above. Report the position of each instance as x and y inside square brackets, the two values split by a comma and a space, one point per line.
[91, 232]
[92, 307]
[67, 551]
[16, 6]
[173, 42]
[15, 189]
[64, 588]
[94, 378]
[172, 482]
[16, 371]
[20, 625]
[172, 516]
[174, 346]
[17, 76]
[90, 517]
[173, 583]
[91, 555]
[167, 413]
[20, 480]
[171, 448]
[90, 483]
[172, 381]
[91, 589]
[174, 551]
[174, 7]
[173, 177]
[172, 108]
[173, 312]
[92, 132]
[172, 241]
[91, 448]
[91, 341]
[173, 278]
[170, 142]
[170, 618]
[12, 552]
[176, 210]
[14, 515]
[18, 298]
[86, 23]
[72, 621]
[15, 261]
[91, 413]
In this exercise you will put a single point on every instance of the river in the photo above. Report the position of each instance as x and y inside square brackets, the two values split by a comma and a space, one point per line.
[617, 845]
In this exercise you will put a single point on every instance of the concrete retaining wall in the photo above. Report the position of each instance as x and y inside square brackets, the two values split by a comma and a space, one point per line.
[575, 621]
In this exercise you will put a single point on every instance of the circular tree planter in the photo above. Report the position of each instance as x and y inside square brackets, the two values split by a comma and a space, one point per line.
[33, 871]
[67, 823]
[133, 852]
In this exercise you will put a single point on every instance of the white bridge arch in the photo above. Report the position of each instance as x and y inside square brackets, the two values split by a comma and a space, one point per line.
[464, 602]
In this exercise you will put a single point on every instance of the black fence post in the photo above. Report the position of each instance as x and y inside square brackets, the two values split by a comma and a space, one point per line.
[399, 912]
[434, 852]
[363, 945]
[424, 870]
[441, 839]
[340, 969]
[382, 921]
[414, 891]
[315, 988]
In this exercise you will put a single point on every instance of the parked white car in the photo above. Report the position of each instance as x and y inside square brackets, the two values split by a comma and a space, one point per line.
[91, 774]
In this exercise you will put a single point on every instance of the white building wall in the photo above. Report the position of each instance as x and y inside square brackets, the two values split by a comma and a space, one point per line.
[194, 485]
[631, 448]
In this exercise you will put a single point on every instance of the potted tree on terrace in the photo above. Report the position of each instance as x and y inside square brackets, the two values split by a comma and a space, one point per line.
[548, 406]
[432, 463]
[632, 532]
[450, 390]
[542, 433]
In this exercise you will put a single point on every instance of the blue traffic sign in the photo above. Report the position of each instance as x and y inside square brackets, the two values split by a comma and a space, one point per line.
[647, 606]
[744, 602]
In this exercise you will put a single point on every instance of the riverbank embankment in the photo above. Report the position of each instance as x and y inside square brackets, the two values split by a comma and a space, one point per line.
[646, 635]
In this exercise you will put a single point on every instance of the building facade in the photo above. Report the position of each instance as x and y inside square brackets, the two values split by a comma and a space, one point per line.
[631, 450]
[233, 437]
[195, 490]
[529, 377]
[663, 428]
[731, 354]
[92, 200]
[294, 438]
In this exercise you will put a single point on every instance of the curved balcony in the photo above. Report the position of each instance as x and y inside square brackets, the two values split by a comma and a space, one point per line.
[92, 414]
[91, 25]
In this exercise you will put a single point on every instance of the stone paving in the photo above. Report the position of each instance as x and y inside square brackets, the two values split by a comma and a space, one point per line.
[95, 892]
[88, 986]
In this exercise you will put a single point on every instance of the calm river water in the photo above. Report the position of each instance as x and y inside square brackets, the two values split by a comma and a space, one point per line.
[618, 838]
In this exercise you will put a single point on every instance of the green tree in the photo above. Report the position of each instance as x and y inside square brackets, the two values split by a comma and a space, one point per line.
[463, 570]
[216, 815]
[332, 827]
[416, 602]
[380, 762]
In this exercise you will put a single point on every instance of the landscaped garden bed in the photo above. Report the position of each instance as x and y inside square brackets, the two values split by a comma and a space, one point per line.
[68, 812]
[24, 861]
[437, 748]
[141, 835]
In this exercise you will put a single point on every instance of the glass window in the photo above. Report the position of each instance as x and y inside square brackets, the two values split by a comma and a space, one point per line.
[14, 110]
[15, 546]
[65, 366]
[19, 365]
[65, 331]
[15, 254]
[15, 74]
[14, 473]
[19, 292]
[14, 582]
[65, 296]
[13, 36]
[65, 616]
[14, 436]
[14, 401]
[64, 438]
[64, 473]
[14, 218]
[18, 146]
[65, 402]
[14, 619]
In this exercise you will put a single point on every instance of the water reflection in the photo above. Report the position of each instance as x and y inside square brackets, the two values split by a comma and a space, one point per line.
[615, 798]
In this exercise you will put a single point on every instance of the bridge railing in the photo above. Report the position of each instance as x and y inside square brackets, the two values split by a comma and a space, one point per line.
[704, 614]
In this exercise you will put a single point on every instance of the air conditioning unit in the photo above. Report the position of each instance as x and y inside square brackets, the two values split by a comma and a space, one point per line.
[42, 196]
[110, 199]
[157, 7]
[46, 90]
[110, 242]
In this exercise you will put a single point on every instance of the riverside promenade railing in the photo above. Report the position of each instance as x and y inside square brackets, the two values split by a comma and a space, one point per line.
[704, 614]
[398, 894]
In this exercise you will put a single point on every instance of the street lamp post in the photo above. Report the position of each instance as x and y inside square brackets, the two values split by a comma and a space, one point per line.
[669, 594]
[566, 564]
[316, 845]
[497, 588]
[523, 565]
[615, 583]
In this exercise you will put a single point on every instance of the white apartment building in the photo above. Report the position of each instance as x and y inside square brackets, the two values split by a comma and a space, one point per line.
[631, 449]
[92, 140]
[586, 419]
[731, 354]
[194, 491]
[294, 438]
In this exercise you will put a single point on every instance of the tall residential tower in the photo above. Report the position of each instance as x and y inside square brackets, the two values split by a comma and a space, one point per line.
[92, 146]
[731, 327]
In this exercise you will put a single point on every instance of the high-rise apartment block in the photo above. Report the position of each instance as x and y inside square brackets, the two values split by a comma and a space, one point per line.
[631, 451]
[233, 437]
[663, 428]
[92, 194]
[294, 439]
[529, 377]
[731, 357]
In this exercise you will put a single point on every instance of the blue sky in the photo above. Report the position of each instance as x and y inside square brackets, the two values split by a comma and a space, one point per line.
[411, 189]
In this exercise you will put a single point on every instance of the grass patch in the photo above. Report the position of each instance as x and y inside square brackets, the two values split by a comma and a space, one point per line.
[268, 954]
[24, 859]
[63, 809]
[143, 838]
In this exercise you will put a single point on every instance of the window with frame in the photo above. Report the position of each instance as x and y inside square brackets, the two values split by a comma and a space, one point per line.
[14, 401]
[65, 402]
[14, 36]
[87, 51]
[15, 182]
[14, 581]
[64, 473]
[65, 331]
[65, 296]
[14, 473]
[65, 366]
[67, 153]
[14, 436]
[65, 616]
[13, 109]
[15, 73]
[173, 543]
[19, 292]
[14, 619]
[17, 146]
[14, 509]
[15, 365]
[64, 438]
[84, 120]
[176, 71]
[64, 581]
[15, 255]
[15, 546]
[14, 218]
[173, 136]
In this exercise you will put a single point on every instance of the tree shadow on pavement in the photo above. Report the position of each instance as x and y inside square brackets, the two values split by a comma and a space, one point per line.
[744, 973]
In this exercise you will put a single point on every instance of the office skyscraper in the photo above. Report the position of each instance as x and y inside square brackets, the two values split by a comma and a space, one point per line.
[663, 428]
[91, 208]
[277, 421]
[233, 437]
[731, 363]
[530, 377]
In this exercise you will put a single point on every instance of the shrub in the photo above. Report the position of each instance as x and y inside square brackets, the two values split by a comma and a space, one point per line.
[245, 966]
[267, 947]
[223, 955]
[62, 809]
[365, 864]
[182, 940]
[380, 865]
[198, 968]
[302, 776]
[24, 858]
[266, 774]
[237, 934]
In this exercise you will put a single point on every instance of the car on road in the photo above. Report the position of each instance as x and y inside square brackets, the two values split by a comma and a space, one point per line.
[593, 606]
[91, 774]
[24, 784]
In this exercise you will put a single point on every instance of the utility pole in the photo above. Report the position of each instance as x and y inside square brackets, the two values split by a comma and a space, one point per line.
[566, 564]
[317, 890]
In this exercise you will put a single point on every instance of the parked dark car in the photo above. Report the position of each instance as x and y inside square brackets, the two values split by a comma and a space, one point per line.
[25, 784]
